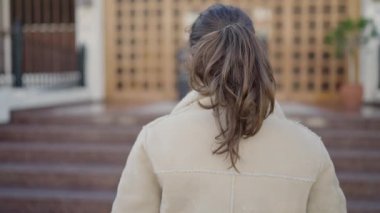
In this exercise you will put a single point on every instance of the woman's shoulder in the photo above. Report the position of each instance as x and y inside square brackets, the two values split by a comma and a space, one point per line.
[291, 128]
[293, 134]
[187, 118]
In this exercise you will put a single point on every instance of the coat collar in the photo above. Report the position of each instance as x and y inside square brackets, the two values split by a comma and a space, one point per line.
[193, 96]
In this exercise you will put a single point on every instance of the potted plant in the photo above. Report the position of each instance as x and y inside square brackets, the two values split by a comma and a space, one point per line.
[347, 37]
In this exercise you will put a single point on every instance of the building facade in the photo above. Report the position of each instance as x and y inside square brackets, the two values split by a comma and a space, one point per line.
[133, 48]
[144, 37]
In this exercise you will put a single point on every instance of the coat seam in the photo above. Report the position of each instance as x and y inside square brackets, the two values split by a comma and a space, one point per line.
[145, 139]
[232, 193]
[320, 166]
[243, 174]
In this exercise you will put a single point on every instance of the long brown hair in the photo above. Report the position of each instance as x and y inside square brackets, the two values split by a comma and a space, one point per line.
[229, 64]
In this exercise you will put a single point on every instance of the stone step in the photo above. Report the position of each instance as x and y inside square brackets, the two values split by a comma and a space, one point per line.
[341, 143]
[116, 154]
[348, 133]
[68, 133]
[142, 115]
[117, 134]
[99, 120]
[40, 200]
[86, 176]
[60, 176]
[94, 114]
[363, 206]
[39, 152]
[350, 139]
[139, 120]
[356, 160]
[337, 122]
[360, 186]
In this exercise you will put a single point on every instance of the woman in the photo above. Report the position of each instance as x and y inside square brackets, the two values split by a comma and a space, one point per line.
[227, 146]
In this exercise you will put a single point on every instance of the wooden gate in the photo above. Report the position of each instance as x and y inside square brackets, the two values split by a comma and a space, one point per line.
[144, 37]
[43, 43]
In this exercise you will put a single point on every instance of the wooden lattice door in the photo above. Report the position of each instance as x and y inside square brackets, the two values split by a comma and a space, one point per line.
[140, 63]
[143, 38]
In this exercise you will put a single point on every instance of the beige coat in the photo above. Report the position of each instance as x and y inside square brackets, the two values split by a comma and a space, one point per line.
[285, 168]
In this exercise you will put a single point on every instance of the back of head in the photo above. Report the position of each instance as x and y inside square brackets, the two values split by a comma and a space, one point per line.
[229, 64]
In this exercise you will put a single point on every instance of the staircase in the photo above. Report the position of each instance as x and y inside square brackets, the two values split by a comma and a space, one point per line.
[353, 142]
[54, 160]
[69, 159]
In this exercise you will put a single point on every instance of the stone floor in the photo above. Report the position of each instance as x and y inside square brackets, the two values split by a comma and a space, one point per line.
[69, 158]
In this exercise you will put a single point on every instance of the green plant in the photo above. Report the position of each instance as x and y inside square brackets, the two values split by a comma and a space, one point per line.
[347, 37]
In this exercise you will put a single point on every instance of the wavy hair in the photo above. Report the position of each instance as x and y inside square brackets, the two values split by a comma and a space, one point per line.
[228, 63]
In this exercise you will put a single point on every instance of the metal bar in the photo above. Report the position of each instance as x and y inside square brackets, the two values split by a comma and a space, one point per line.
[81, 65]
[37, 11]
[17, 59]
[46, 11]
[65, 7]
[18, 10]
[72, 11]
[28, 12]
[56, 11]
[2, 35]
[378, 67]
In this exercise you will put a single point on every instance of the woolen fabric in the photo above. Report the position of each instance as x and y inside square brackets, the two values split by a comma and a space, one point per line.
[284, 168]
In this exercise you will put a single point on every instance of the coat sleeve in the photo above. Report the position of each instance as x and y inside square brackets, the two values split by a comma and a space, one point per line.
[138, 190]
[326, 195]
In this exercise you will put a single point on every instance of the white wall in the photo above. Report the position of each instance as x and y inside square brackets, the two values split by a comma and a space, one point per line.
[6, 48]
[370, 55]
[4, 106]
[4, 92]
[89, 32]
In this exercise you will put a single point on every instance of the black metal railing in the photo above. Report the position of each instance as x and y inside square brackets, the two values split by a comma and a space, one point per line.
[2, 38]
[46, 55]
[3, 79]
[378, 67]
[17, 54]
